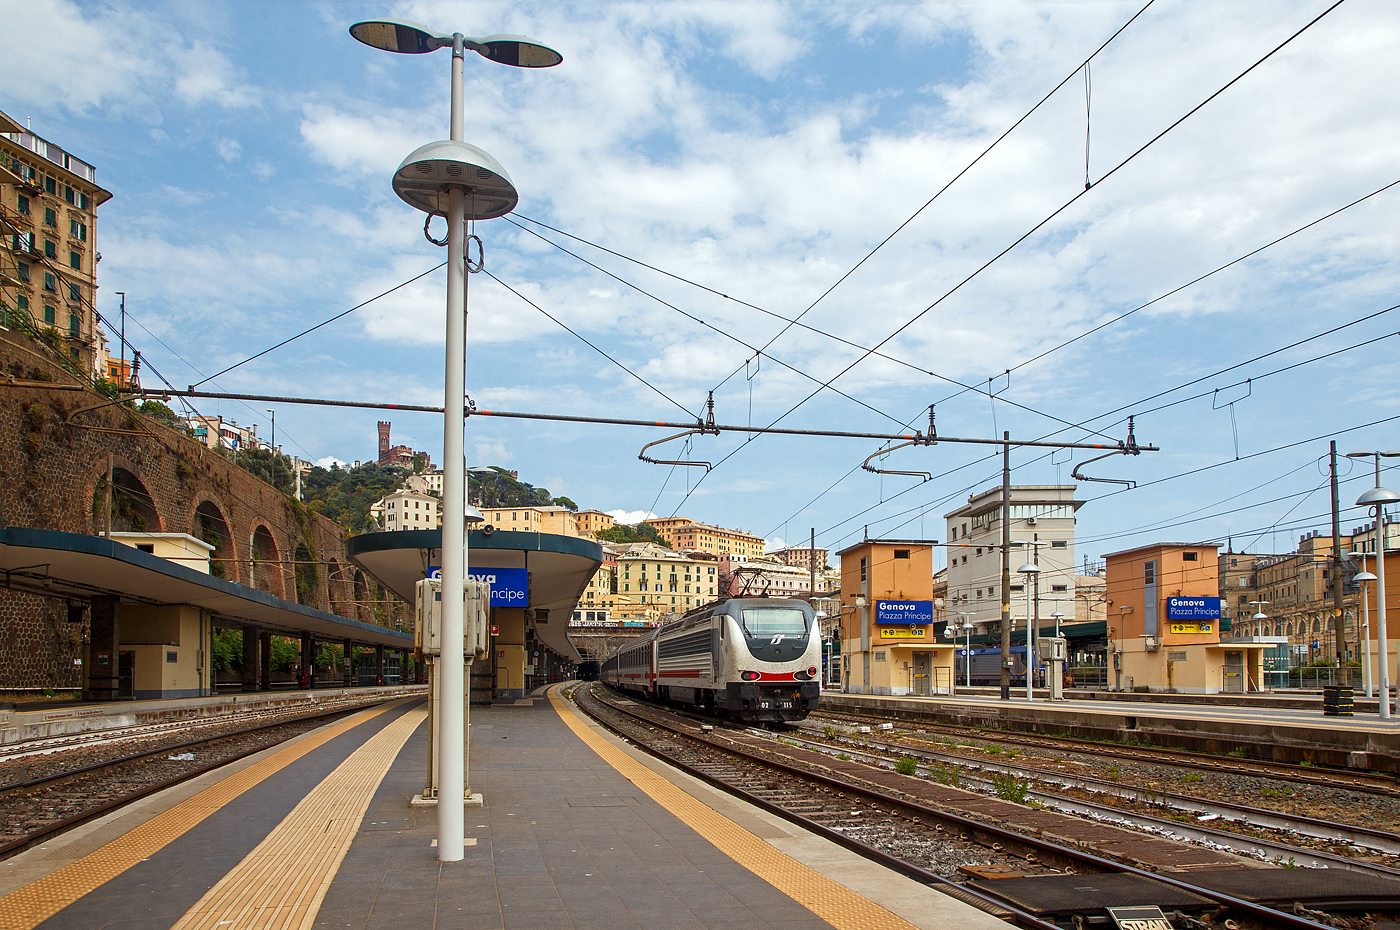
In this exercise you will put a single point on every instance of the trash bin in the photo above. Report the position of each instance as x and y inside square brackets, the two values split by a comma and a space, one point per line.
[1336, 701]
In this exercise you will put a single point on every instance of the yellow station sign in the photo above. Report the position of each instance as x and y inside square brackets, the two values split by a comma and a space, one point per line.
[903, 632]
[1193, 628]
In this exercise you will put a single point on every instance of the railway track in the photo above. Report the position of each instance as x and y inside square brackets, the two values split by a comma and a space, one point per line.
[1371, 782]
[38, 808]
[964, 844]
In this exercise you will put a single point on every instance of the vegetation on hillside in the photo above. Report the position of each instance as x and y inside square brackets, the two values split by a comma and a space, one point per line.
[621, 533]
[346, 494]
[495, 487]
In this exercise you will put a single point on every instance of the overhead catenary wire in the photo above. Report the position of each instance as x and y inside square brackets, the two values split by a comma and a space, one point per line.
[1112, 171]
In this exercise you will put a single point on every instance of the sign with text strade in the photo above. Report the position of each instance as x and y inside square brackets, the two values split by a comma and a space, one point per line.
[1193, 608]
[509, 586]
[903, 612]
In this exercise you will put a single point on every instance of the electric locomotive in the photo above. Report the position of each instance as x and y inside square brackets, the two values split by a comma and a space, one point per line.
[755, 659]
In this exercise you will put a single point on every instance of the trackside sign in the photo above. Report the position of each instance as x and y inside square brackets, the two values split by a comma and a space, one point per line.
[1139, 918]
[903, 612]
[509, 586]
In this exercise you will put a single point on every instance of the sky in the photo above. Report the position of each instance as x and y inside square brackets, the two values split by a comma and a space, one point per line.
[694, 176]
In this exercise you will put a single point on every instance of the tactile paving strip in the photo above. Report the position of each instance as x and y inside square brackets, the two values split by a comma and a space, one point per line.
[831, 901]
[281, 883]
[29, 906]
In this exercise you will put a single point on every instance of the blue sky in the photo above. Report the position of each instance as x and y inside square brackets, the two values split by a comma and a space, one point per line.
[763, 150]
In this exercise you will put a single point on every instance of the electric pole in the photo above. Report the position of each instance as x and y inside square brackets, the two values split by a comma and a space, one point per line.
[1005, 566]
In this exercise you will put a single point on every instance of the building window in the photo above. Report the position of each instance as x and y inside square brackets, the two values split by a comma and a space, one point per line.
[901, 553]
[50, 217]
[73, 323]
[74, 293]
[23, 205]
[83, 201]
[68, 195]
[1189, 556]
[1059, 544]
[1018, 587]
[75, 261]
[48, 314]
[979, 551]
[23, 270]
[1059, 587]
[22, 302]
[1149, 573]
[50, 249]
[50, 186]
[862, 569]
[50, 282]
[77, 230]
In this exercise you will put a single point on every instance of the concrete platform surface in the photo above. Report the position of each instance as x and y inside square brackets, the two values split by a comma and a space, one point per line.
[578, 830]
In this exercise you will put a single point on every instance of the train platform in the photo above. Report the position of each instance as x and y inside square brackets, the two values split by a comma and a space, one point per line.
[1291, 734]
[577, 830]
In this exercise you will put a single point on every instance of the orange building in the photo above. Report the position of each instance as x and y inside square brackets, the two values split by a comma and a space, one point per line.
[684, 534]
[1163, 604]
[887, 616]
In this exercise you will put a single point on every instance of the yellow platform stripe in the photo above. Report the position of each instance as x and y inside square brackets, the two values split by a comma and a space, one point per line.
[833, 902]
[280, 884]
[29, 906]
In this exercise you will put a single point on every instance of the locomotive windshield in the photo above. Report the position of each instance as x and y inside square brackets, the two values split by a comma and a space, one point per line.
[772, 621]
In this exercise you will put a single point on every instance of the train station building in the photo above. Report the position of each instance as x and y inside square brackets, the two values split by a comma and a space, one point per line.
[888, 643]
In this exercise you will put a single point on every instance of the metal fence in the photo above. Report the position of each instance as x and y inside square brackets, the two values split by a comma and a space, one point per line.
[1310, 677]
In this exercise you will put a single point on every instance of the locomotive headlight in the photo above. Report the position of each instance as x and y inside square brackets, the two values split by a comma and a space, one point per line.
[749, 676]
[806, 675]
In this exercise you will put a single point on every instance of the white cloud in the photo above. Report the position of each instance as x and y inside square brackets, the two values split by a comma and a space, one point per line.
[630, 517]
[229, 149]
[493, 453]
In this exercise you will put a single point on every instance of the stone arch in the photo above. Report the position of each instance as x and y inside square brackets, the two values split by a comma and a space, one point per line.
[335, 587]
[363, 608]
[307, 572]
[265, 561]
[209, 524]
[133, 507]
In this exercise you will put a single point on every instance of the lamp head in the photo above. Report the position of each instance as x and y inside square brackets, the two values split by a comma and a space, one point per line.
[1030, 568]
[1377, 496]
[400, 35]
[517, 51]
[1363, 576]
[423, 179]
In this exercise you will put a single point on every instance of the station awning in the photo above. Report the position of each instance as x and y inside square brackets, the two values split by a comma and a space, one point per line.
[558, 567]
[73, 565]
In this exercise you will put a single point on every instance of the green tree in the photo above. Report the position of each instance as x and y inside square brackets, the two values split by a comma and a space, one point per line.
[622, 533]
[565, 502]
[160, 413]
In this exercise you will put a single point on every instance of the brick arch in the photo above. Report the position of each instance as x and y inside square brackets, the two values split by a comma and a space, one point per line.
[265, 561]
[133, 505]
[209, 521]
[363, 609]
[335, 587]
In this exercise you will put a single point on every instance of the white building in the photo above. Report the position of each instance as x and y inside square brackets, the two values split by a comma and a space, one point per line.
[1042, 531]
[410, 510]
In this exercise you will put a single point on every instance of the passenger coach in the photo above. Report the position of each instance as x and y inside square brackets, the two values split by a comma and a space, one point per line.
[753, 659]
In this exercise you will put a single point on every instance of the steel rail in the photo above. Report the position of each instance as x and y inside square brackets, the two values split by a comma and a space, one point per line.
[1246, 845]
[1257, 911]
[43, 833]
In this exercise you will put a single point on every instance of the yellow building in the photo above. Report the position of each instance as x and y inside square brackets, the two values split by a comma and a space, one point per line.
[682, 533]
[593, 522]
[652, 582]
[48, 256]
[1163, 608]
[888, 644]
[553, 519]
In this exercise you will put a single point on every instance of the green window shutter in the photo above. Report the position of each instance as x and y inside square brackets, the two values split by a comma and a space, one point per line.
[73, 323]
[50, 186]
[48, 314]
[68, 194]
[22, 302]
[50, 250]
[83, 201]
[75, 261]
[23, 204]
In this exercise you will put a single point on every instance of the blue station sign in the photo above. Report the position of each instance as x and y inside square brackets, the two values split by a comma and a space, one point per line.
[1193, 608]
[903, 612]
[509, 586]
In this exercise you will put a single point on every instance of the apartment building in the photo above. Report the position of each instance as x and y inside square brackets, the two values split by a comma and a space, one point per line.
[217, 433]
[682, 533]
[538, 519]
[801, 557]
[652, 582]
[1042, 531]
[410, 510]
[593, 522]
[742, 576]
[48, 242]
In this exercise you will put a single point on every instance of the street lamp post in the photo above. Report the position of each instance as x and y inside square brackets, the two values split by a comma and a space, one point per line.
[1364, 627]
[1029, 571]
[968, 626]
[1378, 497]
[459, 182]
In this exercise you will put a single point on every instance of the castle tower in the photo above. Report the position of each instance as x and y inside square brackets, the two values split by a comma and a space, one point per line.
[383, 440]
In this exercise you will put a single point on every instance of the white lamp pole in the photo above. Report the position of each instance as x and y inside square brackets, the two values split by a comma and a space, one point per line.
[462, 173]
[1361, 578]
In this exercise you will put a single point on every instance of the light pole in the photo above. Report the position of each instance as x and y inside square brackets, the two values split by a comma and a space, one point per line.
[459, 182]
[273, 447]
[967, 626]
[1361, 578]
[1378, 497]
[1029, 571]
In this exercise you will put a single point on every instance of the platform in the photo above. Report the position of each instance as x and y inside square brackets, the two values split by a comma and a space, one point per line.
[1364, 742]
[578, 830]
